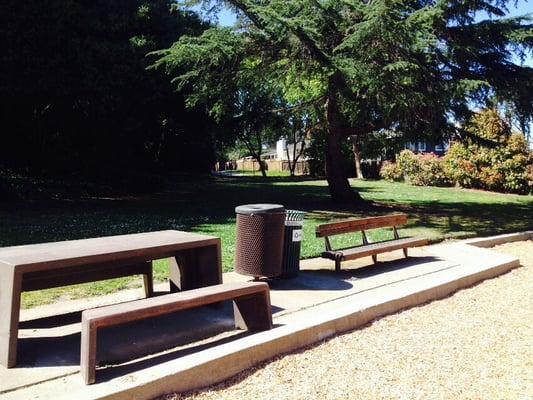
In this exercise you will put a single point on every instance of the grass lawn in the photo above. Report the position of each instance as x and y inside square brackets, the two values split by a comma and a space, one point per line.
[207, 205]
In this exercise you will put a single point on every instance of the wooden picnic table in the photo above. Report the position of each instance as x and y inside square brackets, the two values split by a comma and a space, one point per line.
[195, 262]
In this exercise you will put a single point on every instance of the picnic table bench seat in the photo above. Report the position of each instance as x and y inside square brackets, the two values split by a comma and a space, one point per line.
[367, 248]
[252, 310]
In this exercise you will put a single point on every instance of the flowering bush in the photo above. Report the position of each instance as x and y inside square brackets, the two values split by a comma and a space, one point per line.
[390, 171]
[408, 164]
[416, 169]
[460, 167]
[503, 168]
[431, 171]
[508, 167]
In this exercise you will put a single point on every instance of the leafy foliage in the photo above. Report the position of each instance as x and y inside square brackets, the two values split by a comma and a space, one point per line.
[490, 158]
[368, 65]
[419, 169]
[391, 171]
[75, 95]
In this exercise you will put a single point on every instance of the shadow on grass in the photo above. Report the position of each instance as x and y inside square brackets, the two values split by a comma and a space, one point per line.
[201, 205]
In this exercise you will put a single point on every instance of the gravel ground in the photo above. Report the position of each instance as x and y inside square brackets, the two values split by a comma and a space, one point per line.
[475, 344]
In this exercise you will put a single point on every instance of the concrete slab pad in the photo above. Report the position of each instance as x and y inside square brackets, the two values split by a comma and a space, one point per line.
[198, 348]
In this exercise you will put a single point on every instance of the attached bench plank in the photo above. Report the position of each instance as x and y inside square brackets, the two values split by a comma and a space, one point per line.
[252, 310]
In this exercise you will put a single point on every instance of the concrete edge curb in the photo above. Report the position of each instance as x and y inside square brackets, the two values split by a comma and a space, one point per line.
[492, 241]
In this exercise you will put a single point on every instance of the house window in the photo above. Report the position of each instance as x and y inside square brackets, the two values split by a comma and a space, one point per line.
[421, 146]
[439, 147]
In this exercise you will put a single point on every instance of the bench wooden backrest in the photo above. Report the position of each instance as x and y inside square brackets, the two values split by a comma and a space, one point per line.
[362, 224]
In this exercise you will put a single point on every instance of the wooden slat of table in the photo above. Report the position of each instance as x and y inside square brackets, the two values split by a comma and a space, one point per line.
[89, 251]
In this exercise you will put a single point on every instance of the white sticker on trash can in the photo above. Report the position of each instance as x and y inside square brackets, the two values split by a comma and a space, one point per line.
[297, 235]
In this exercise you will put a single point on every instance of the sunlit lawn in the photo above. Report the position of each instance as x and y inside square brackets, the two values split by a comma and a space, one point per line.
[207, 206]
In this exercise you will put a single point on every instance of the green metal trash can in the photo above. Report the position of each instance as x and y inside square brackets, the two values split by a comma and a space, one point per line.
[292, 243]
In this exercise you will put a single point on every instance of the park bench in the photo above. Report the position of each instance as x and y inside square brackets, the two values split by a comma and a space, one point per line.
[367, 249]
[251, 307]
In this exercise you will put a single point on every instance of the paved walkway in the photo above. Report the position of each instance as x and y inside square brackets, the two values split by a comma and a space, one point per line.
[315, 304]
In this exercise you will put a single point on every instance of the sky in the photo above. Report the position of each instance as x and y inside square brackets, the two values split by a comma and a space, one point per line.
[227, 18]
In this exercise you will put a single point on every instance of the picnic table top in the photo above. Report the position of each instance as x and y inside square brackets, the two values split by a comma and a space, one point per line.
[102, 249]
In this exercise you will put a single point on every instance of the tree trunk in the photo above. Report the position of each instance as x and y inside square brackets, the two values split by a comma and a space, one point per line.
[339, 186]
[262, 167]
[357, 159]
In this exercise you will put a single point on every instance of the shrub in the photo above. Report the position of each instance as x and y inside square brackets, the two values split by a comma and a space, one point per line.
[416, 169]
[430, 171]
[408, 165]
[390, 171]
[459, 167]
[503, 168]
[529, 177]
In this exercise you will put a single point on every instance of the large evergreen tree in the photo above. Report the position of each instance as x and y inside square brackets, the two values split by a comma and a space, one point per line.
[369, 64]
[75, 95]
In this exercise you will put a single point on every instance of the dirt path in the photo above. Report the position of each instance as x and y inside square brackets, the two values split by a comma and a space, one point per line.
[476, 344]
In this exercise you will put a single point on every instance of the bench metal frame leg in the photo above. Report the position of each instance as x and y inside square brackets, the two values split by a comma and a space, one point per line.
[365, 241]
[338, 260]
[397, 236]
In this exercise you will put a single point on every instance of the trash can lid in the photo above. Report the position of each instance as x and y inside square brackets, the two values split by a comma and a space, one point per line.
[259, 208]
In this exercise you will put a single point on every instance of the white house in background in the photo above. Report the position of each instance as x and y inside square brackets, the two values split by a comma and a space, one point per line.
[423, 147]
[282, 148]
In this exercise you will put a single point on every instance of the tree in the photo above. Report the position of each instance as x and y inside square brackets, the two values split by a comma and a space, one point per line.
[75, 95]
[369, 65]
[354, 140]
[255, 124]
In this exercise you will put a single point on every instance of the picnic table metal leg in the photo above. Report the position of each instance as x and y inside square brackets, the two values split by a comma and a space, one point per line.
[196, 268]
[10, 289]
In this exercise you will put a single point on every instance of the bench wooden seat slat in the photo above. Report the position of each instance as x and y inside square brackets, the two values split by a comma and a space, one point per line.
[375, 248]
[367, 249]
[251, 301]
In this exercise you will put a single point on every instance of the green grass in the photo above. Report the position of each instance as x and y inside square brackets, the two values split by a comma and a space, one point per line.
[207, 205]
